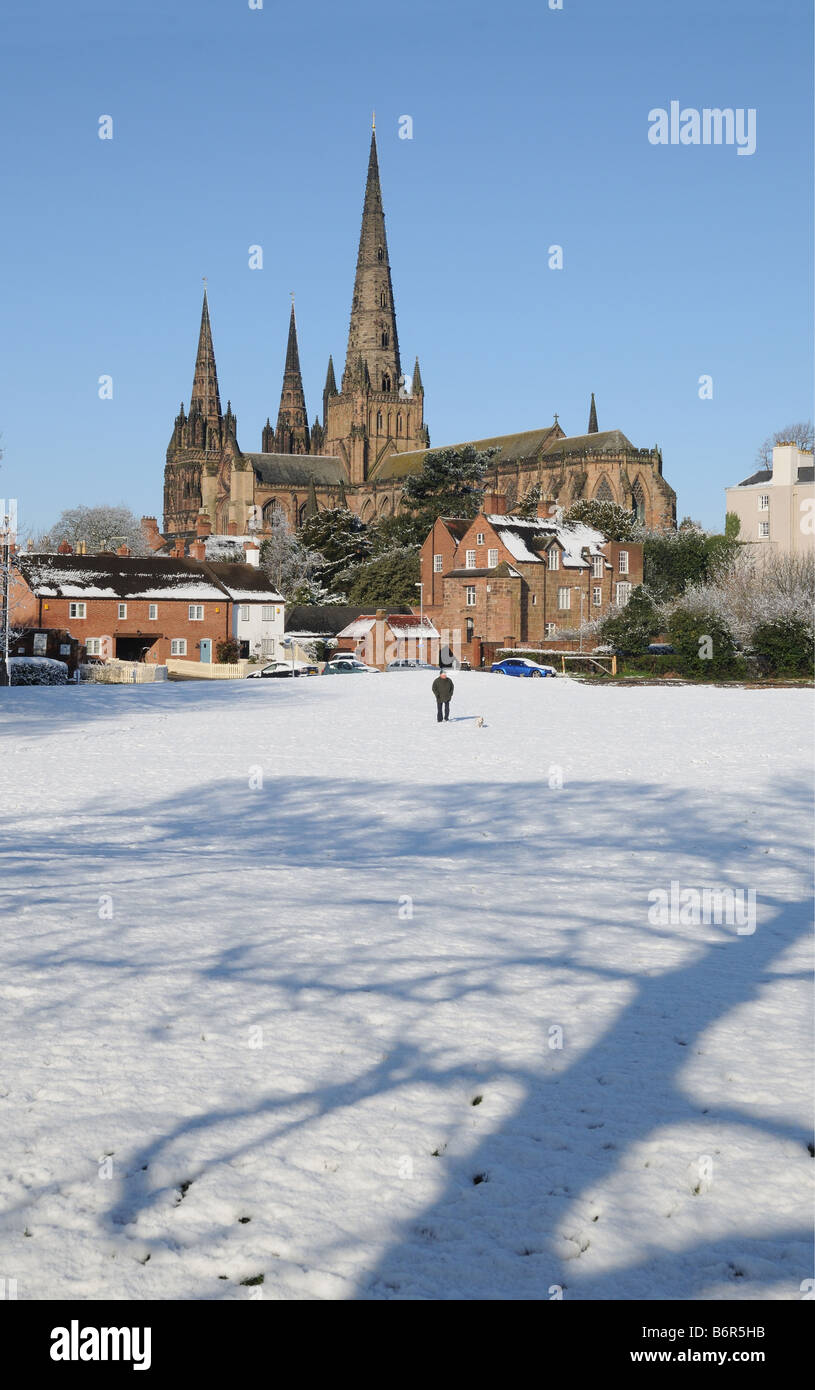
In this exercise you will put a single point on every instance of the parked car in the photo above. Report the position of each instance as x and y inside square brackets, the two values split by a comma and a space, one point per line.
[661, 649]
[409, 663]
[521, 666]
[346, 665]
[284, 668]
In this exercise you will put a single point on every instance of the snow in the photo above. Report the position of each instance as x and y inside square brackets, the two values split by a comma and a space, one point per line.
[244, 1026]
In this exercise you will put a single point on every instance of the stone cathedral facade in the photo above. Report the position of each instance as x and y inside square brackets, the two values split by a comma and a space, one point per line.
[372, 433]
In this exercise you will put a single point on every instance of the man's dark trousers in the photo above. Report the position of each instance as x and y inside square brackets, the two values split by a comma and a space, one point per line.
[442, 705]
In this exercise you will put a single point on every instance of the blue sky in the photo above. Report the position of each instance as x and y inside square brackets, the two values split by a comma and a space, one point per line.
[236, 127]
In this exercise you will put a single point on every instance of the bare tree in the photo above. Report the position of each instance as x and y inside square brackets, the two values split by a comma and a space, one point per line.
[801, 434]
[97, 528]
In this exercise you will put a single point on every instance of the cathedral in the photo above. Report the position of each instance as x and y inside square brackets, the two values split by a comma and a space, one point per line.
[372, 434]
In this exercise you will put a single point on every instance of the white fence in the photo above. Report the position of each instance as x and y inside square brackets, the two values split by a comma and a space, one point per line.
[207, 670]
[123, 673]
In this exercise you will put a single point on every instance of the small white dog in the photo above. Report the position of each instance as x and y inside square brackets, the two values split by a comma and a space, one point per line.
[480, 722]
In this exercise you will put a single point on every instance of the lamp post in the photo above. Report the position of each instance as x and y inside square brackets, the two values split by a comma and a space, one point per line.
[578, 590]
[420, 587]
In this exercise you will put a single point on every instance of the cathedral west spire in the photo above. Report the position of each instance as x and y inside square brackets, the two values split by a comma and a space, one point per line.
[372, 332]
[205, 400]
[292, 433]
[593, 417]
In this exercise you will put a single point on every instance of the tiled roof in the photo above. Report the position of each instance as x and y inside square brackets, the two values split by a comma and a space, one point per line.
[327, 619]
[764, 475]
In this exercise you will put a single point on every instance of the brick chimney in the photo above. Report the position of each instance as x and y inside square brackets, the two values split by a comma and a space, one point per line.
[495, 504]
[178, 550]
[546, 510]
[124, 550]
[203, 525]
[198, 549]
[151, 533]
[65, 548]
[252, 553]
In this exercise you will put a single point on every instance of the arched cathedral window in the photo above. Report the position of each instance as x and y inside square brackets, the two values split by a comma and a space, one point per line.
[385, 339]
[386, 382]
[380, 254]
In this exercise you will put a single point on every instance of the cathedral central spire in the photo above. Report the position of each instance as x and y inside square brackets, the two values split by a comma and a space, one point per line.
[372, 333]
[292, 433]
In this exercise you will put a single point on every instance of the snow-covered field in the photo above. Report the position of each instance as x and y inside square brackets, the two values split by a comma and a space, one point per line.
[395, 1022]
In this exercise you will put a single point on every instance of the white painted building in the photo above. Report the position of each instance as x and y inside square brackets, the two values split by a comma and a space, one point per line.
[259, 611]
[776, 506]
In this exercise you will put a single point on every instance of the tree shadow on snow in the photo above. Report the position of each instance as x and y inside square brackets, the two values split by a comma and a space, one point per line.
[605, 846]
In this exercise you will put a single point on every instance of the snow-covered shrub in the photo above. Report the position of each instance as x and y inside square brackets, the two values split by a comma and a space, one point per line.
[37, 670]
[784, 646]
[704, 642]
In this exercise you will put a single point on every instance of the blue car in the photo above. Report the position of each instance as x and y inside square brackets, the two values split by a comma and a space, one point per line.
[521, 666]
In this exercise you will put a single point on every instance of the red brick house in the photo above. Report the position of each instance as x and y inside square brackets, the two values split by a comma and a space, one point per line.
[381, 637]
[136, 608]
[515, 582]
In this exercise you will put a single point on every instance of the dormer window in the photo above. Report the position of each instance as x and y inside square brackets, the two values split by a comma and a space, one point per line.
[554, 559]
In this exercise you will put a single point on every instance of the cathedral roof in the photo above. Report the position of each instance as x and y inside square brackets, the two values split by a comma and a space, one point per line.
[297, 470]
[598, 441]
[513, 448]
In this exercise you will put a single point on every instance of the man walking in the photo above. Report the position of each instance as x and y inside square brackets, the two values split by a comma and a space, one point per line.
[443, 690]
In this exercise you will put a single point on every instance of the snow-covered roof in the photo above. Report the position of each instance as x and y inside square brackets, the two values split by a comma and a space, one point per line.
[150, 577]
[402, 625]
[526, 539]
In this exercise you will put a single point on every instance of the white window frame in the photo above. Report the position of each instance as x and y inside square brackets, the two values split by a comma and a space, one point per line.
[152, 612]
[77, 610]
[623, 562]
[243, 613]
[554, 558]
[597, 566]
[764, 530]
[597, 596]
[267, 646]
[622, 593]
[564, 598]
[479, 537]
[764, 501]
[470, 595]
[121, 611]
[178, 646]
[492, 558]
[93, 646]
[550, 629]
[196, 612]
[438, 564]
[469, 560]
[267, 613]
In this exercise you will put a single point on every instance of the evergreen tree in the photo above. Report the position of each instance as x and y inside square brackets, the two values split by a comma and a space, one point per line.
[339, 537]
[528, 508]
[386, 580]
[451, 483]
